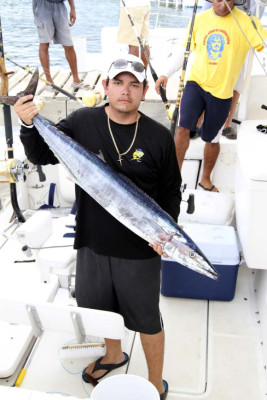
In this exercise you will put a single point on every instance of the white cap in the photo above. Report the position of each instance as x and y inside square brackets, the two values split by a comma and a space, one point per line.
[130, 61]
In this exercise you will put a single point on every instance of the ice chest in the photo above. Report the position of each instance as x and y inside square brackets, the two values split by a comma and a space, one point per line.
[219, 244]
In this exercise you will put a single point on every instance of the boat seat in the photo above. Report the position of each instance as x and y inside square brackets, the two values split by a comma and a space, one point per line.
[54, 251]
[36, 319]
[26, 394]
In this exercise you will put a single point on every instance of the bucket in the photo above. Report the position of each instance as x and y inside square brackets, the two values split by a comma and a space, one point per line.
[125, 387]
[79, 43]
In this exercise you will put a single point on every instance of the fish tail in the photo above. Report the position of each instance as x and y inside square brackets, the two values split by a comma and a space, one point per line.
[30, 89]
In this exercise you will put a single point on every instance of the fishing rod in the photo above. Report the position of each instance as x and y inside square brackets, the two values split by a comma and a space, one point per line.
[13, 167]
[153, 72]
[181, 84]
[93, 99]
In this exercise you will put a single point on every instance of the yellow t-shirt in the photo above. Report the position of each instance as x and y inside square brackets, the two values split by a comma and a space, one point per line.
[221, 49]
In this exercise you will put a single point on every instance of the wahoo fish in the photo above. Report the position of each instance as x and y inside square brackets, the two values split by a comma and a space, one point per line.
[119, 195]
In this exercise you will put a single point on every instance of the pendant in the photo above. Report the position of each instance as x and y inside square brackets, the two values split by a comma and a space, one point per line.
[120, 160]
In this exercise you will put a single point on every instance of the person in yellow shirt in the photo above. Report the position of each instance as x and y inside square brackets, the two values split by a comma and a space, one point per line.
[220, 51]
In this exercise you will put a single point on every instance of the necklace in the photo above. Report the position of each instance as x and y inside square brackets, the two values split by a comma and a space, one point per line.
[115, 144]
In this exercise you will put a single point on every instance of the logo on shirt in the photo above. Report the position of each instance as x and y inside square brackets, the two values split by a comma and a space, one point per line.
[215, 46]
[137, 155]
[215, 41]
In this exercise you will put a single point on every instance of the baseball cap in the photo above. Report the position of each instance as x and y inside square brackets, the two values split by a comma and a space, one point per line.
[128, 63]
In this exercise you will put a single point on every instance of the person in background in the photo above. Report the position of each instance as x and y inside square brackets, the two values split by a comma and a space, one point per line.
[140, 12]
[248, 6]
[116, 269]
[51, 20]
[220, 51]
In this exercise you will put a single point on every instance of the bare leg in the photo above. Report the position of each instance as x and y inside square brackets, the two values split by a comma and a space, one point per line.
[211, 152]
[235, 99]
[153, 346]
[44, 59]
[114, 355]
[182, 140]
[135, 51]
[72, 60]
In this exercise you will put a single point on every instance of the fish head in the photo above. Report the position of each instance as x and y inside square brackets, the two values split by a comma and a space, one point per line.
[30, 89]
[187, 253]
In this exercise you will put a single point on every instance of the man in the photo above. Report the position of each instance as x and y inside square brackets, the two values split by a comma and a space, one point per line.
[250, 7]
[212, 77]
[51, 20]
[140, 12]
[117, 270]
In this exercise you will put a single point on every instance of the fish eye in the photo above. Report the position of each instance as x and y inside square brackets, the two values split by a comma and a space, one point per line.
[192, 254]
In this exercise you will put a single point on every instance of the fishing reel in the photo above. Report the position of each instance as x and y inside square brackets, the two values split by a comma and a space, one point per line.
[92, 99]
[12, 170]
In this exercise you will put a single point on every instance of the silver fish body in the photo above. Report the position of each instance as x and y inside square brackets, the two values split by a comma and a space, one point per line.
[124, 200]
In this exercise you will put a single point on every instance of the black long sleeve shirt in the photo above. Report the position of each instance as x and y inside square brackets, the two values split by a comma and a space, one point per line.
[151, 164]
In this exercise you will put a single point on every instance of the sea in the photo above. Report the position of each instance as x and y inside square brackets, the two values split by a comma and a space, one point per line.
[20, 38]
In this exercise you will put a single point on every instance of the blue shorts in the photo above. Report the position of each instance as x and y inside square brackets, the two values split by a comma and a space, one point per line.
[194, 101]
[52, 22]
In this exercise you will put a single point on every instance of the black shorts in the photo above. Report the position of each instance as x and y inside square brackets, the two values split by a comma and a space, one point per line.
[128, 287]
[194, 101]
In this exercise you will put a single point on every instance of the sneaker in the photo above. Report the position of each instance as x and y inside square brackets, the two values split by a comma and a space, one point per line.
[50, 88]
[229, 132]
[81, 85]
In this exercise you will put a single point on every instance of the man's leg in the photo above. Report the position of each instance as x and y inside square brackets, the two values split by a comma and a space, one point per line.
[114, 355]
[153, 346]
[182, 140]
[44, 59]
[72, 60]
[211, 152]
[135, 51]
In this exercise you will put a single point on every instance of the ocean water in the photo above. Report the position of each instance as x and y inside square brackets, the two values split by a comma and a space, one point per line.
[20, 36]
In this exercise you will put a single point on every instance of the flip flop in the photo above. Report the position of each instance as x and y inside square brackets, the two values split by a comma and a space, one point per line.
[208, 189]
[80, 85]
[163, 395]
[98, 366]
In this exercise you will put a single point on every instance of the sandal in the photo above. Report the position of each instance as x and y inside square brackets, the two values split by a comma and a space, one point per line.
[163, 395]
[109, 367]
[80, 85]
[211, 189]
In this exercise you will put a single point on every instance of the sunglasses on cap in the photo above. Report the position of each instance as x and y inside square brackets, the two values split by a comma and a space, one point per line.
[122, 64]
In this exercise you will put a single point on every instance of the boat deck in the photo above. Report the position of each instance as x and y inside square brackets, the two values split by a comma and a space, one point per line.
[58, 105]
[213, 348]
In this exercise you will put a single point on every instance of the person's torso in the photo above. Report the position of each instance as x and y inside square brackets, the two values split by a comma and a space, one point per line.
[220, 50]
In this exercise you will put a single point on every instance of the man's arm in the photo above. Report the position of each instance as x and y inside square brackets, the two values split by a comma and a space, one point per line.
[72, 12]
[36, 150]
[173, 64]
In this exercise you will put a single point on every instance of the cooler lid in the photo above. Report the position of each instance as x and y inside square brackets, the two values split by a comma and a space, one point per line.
[252, 150]
[217, 242]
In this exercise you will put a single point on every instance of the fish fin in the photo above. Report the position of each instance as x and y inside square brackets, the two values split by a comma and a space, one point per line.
[101, 156]
[163, 236]
[30, 89]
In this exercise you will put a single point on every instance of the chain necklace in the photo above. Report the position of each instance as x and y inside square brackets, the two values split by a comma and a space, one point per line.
[115, 144]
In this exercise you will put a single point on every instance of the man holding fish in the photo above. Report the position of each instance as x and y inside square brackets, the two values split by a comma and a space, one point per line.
[116, 269]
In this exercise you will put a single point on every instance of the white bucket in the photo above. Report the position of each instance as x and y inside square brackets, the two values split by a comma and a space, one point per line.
[81, 53]
[125, 387]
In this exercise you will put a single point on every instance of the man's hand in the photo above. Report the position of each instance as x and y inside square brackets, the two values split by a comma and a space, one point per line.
[162, 81]
[26, 111]
[158, 249]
